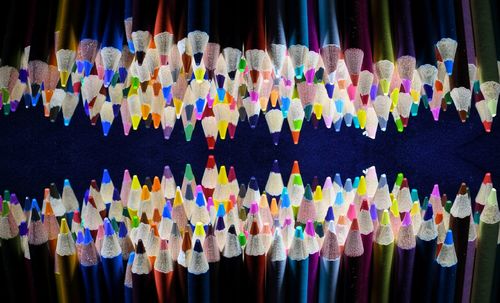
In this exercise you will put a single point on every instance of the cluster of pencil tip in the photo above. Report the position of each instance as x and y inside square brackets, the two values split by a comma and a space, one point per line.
[351, 241]
[161, 61]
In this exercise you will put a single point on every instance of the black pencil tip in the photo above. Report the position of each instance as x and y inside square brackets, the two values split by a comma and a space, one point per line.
[232, 229]
[140, 57]
[140, 247]
[144, 218]
[197, 246]
[210, 231]
[35, 216]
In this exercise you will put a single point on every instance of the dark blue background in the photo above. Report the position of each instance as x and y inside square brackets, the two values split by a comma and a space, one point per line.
[35, 152]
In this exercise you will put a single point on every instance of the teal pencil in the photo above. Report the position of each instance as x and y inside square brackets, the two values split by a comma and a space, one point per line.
[297, 268]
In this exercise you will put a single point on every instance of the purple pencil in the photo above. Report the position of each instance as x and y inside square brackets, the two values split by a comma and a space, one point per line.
[469, 262]
[312, 8]
[312, 247]
[404, 260]
[404, 44]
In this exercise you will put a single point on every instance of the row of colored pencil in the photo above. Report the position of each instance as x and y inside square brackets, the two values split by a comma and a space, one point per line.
[356, 62]
[343, 241]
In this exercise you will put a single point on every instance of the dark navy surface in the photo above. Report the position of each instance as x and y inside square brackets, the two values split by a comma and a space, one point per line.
[35, 152]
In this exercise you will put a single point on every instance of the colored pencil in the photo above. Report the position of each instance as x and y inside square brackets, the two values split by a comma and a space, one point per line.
[297, 268]
[459, 224]
[12, 255]
[231, 267]
[383, 251]
[163, 273]
[313, 249]
[112, 263]
[276, 269]
[255, 265]
[66, 271]
[90, 269]
[426, 246]
[352, 272]
[404, 260]
[40, 258]
[198, 278]
[211, 249]
[128, 281]
[142, 276]
[486, 250]
[469, 263]
[446, 270]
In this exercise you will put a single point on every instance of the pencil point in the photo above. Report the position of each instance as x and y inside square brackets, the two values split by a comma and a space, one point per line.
[406, 219]
[385, 218]
[64, 229]
[355, 225]
[197, 246]
[299, 233]
[254, 228]
[108, 228]
[139, 249]
[310, 228]
[449, 238]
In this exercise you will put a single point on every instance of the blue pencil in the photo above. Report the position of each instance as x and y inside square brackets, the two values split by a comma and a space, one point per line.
[90, 36]
[198, 277]
[89, 265]
[128, 295]
[112, 40]
[446, 274]
[112, 263]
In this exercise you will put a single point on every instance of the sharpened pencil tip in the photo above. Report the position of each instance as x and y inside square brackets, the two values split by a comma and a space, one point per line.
[449, 238]
[299, 233]
[64, 229]
[385, 218]
[197, 246]
[140, 247]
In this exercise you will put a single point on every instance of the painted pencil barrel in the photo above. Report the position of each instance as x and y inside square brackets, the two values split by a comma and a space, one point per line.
[198, 287]
[424, 268]
[297, 272]
[113, 277]
[404, 274]
[485, 258]
[91, 281]
[328, 280]
[446, 284]
[275, 279]
[312, 278]
[382, 269]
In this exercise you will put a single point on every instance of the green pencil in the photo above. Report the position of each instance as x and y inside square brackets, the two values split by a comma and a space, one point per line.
[383, 251]
[484, 267]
